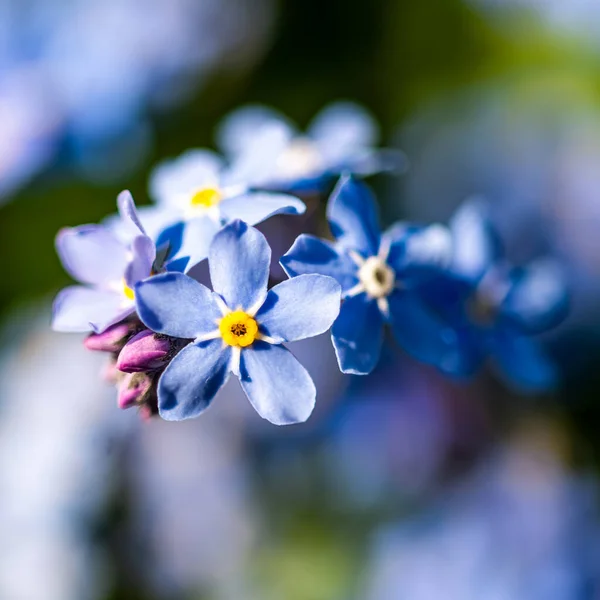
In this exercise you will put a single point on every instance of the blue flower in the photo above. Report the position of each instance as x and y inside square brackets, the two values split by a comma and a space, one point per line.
[238, 328]
[494, 309]
[196, 190]
[378, 274]
[107, 267]
[268, 151]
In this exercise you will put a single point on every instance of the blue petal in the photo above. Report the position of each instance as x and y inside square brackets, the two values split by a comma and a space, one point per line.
[419, 331]
[92, 254]
[417, 253]
[538, 299]
[342, 130]
[255, 207]
[239, 261]
[79, 308]
[358, 335]
[140, 267]
[192, 380]
[352, 216]
[300, 308]
[309, 254]
[522, 363]
[476, 245]
[197, 237]
[239, 129]
[174, 178]
[177, 305]
[277, 385]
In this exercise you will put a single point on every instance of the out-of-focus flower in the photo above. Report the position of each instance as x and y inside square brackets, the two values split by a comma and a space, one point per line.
[196, 189]
[238, 328]
[80, 79]
[520, 528]
[376, 273]
[268, 151]
[59, 438]
[108, 268]
[493, 309]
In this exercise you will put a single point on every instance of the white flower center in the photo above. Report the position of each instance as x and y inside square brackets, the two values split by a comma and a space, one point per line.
[376, 277]
[300, 158]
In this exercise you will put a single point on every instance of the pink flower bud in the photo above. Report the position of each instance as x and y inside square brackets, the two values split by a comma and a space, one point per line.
[110, 340]
[145, 351]
[135, 388]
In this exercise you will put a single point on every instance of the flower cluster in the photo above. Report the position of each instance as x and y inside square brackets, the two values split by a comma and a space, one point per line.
[446, 294]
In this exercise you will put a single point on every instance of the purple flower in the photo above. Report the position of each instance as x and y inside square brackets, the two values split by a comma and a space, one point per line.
[240, 327]
[108, 270]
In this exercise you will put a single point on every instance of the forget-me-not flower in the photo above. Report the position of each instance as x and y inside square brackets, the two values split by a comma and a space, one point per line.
[267, 150]
[378, 274]
[107, 267]
[238, 328]
[196, 189]
[495, 309]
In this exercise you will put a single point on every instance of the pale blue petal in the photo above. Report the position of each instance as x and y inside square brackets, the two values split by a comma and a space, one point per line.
[353, 218]
[255, 207]
[154, 220]
[239, 261]
[238, 130]
[342, 130]
[92, 254]
[79, 308]
[300, 308]
[198, 235]
[277, 385]
[538, 299]
[522, 363]
[476, 245]
[192, 380]
[177, 305]
[418, 330]
[128, 212]
[175, 178]
[357, 335]
[140, 267]
[310, 254]
[258, 164]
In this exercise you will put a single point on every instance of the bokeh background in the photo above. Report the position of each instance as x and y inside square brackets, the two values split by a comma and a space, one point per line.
[403, 484]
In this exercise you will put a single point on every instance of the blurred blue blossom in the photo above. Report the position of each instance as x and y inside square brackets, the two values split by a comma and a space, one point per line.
[520, 528]
[494, 309]
[267, 150]
[378, 274]
[80, 78]
[238, 328]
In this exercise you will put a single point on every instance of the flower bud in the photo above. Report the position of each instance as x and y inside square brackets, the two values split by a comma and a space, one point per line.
[135, 388]
[145, 351]
[111, 339]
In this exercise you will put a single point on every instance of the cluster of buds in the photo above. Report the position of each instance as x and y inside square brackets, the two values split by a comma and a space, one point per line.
[138, 356]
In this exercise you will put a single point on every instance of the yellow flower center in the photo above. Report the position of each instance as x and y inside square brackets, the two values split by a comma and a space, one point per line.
[206, 197]
[238, 329]
[127, 291]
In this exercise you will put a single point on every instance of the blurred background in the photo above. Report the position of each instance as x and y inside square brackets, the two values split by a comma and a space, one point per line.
[404, 484]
